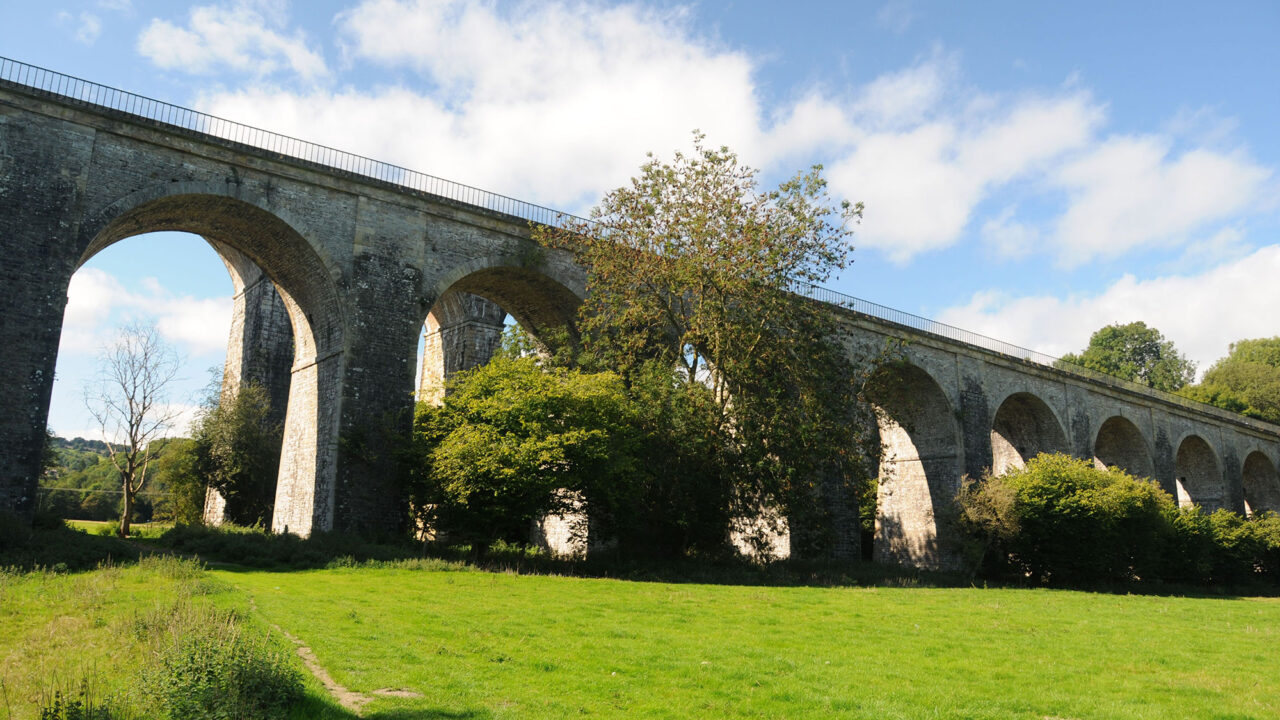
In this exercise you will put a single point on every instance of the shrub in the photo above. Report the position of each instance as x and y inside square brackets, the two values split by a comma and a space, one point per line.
[1060, 520]
[209, 665]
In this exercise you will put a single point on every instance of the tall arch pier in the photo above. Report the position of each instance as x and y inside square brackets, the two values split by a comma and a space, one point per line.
[334, 272]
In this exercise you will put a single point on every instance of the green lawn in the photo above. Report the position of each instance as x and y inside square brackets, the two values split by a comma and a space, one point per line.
[137, 530]
[490, 645]
[61, 630]
[495, 645]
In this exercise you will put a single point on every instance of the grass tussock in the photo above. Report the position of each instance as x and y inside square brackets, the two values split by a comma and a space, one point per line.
[159, 639]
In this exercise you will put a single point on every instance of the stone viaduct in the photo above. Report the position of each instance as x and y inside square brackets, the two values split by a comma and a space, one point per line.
[338, 261]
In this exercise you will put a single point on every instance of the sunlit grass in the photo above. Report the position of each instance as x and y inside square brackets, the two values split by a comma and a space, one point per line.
[66, 631]
[136, 530]
[479, 644]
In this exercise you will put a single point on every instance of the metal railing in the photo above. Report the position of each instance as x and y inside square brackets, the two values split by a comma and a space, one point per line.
[71, 89]
[84, 92]
[955, 334]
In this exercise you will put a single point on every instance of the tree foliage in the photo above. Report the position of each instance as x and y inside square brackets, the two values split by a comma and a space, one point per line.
[1137, 353]
[237, 452]
[1246, 381]
[691, 270]
[1062, 521]
[129, 401]
[513, 441]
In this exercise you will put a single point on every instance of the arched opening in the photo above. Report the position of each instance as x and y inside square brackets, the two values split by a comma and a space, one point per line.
[252, 240]
[134, 281]
[464, 329]
[920, 466]
[1199, 475]
[1024, 426]
[1261, 485]
[1120, 444]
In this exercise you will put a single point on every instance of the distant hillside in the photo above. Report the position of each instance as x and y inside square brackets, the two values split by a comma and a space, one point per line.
[83, 484]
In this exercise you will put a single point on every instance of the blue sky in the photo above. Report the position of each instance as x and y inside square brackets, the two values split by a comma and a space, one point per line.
[1030, 172]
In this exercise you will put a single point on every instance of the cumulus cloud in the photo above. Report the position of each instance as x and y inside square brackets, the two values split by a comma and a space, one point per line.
[551, 102]
[1130, 192]
[557, 102]
[1201, 313]
[97, 302]
[922, 184]
[243, 37]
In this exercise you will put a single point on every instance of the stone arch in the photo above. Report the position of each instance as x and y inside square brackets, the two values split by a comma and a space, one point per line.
[304, 280]
[1199, 479]
[1261, 484]
[1023, 427]
[921, 461]
[1121, 444]
[540, 297]
[464, 324]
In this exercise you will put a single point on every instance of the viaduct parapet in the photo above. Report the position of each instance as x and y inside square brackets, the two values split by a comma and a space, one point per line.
[338, 262]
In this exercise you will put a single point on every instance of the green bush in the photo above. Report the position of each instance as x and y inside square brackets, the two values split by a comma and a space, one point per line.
[1062, 521]
[210, 666]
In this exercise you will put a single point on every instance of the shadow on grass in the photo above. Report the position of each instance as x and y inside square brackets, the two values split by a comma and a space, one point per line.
[253, 549]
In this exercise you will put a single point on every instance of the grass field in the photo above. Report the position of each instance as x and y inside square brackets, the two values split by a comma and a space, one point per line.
[494, 645]
[137, 530]
[491, 645]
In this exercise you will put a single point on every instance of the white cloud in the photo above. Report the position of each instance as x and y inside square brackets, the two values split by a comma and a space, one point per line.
[1130, 192]
[201, 325]
[557, 102]
[550, 102]
[921, 185]
[88, 26]
[240, 36]
[97, 303]
[896, 16]
[1008, 237]
[1202, 314]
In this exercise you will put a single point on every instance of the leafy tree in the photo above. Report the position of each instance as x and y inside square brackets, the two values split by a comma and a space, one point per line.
[237, 452]
[1137, 353]
[176, 474]
[691, 270]
[1246, 381]
[510, 438]
[129, 401]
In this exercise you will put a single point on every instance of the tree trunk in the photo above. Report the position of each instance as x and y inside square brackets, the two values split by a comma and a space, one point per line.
[127, 515]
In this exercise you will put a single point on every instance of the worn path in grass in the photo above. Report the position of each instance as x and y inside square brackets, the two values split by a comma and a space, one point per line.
[490, 645]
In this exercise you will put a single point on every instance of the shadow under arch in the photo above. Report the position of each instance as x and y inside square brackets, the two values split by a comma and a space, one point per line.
[921, 461]
[247, 224]
[1119, 443]
[1023, 427]
[1261, 484]
[1199, 478]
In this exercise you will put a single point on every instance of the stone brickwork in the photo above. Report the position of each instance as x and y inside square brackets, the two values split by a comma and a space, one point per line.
[259, 347]
[462, 332]
[354, 265]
